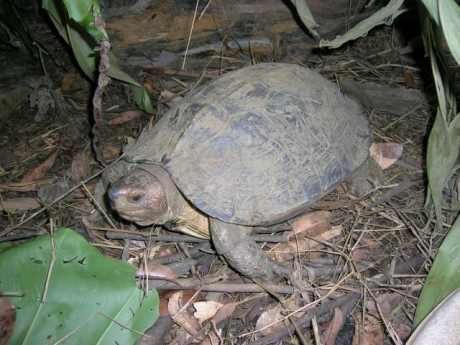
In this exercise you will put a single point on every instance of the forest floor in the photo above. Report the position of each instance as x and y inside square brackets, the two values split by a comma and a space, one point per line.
[368, 257]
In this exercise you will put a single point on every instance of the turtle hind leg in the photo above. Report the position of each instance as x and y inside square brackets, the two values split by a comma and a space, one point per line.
[365, 178]
[242, 253]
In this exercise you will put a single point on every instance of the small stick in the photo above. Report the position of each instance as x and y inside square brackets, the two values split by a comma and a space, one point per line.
[190, 34]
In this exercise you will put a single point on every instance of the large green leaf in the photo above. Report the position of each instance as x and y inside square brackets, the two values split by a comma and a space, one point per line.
[90, 298]
[81, 9]
[443, 277]
[446, 14]
[444, 140]
[83, 46]
[306, 16]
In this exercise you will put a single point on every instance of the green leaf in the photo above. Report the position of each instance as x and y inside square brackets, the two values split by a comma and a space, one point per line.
[449, 14]
[53, 12]
[83, 52]
[83, 48]
[386, 15]
[433, 10]
[306, 16]
[444, 140]
[90, 299]
[80, 10]
[142, 99]
[441, 157]
[443, 277]
[446, 14]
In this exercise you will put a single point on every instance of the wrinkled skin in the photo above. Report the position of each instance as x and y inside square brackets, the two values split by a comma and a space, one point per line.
[139, 197]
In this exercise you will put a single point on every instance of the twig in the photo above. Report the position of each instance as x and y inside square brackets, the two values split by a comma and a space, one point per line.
[190, 34]
[103, 80]
[185, 284]
[302, 308]
[99, 208]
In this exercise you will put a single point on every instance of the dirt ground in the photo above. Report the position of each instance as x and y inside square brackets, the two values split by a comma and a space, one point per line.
[367, 257]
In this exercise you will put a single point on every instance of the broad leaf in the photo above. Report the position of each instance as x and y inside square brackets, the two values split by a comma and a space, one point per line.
[89, 298]
[446, 14]
[306, 16]
[83, 46]
[443, 277]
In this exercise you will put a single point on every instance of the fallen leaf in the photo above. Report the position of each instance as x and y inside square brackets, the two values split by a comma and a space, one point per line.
[40, 170]
[111, 151]
[19, 204]
[371, 333]
[409, 78]
[387, 302]
[166, 295]
[68, 80]
[386, 154]
[156, 271]
[167, 95]
[225, 312]
[267, 318]
[124, 117]
[181, 316]
[286, 251]
[403, 331]
[81, 166]
[206, 310]
[333, 328]
[311, 224]
[7, 320]
[211, 339]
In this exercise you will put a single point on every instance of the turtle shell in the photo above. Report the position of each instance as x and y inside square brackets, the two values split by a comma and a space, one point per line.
[260, 144]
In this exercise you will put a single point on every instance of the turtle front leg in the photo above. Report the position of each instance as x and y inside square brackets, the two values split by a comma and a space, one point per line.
[242, 253]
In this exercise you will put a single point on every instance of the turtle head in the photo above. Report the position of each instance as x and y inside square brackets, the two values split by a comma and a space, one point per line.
[140, 197]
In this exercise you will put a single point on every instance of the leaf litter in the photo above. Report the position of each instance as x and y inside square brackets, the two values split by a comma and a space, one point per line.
[384, 240]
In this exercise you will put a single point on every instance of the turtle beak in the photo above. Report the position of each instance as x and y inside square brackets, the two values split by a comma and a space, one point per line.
[138, 197]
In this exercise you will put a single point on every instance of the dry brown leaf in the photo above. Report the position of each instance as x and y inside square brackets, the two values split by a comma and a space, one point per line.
[285, 251]
[409, 79]
[211, 339]
[81, 166]
[372, 333]
[311, 224]
[19, 204]
[334, 326]
[165, 251]
[403, 331]
[124, 117]
[7, 320]
[181, 316]
[24, 186]
[68, 80]
[269, 317]
[157, 271]
[206, 310]
[225, 312]
[110, 151]
[166, 295]
[40, 170]
[387, 302]
[386, 154]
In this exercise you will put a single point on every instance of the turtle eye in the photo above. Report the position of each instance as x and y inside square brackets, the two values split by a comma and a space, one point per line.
[136, 197]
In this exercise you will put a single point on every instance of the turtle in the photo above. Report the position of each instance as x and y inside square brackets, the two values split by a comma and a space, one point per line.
[254, 147]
